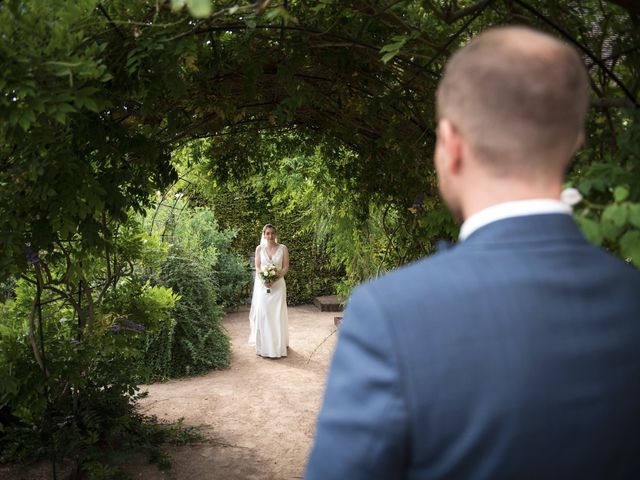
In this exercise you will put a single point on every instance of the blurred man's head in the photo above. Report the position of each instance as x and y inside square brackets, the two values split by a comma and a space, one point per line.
[513, 101]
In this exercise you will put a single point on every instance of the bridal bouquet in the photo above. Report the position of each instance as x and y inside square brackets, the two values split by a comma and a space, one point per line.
[268, 273]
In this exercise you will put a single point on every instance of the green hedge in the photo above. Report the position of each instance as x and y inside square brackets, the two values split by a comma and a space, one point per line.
[245, 208]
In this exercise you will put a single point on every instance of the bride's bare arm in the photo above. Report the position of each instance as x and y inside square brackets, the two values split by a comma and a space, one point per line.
[285, 261]
[257, 259]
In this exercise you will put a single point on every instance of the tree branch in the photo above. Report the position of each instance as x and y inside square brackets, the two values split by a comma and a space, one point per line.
[450, 16]
[582, 47]
[32, 334]
[611, 102]
[106, 15]
[631, 6]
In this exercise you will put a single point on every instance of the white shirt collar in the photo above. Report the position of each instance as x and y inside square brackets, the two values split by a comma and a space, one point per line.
[517, 208]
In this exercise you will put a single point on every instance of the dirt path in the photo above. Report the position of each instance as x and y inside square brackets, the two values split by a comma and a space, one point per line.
[260, 413]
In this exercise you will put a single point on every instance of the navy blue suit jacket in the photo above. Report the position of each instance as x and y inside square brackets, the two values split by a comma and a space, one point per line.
[514, 355]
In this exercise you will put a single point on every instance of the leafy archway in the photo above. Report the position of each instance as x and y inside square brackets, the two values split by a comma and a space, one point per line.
[97, 95]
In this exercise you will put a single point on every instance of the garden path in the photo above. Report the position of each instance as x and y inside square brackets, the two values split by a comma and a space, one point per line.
[259, 414]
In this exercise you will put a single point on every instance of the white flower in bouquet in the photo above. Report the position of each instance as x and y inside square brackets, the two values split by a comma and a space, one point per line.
[268, 273]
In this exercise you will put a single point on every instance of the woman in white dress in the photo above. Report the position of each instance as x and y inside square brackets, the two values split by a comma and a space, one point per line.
[268, 317]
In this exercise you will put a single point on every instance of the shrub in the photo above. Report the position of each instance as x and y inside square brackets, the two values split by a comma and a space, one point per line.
[198, 235]
[87, 400]
[194, 341]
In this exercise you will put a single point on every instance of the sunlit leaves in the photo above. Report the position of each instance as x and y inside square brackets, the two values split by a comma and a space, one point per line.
[282, 13]
[197, 8]
[392, 49]
[200, 8]
[176, 5]
[620, 193]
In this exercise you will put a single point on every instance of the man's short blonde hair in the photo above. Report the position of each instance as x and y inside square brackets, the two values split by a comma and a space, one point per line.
[519, 97]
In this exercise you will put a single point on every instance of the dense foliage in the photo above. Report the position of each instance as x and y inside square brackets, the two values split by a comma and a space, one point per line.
[97, 95]
[610, 214]
[72, 354]
[242, 208]
[249, 206]
[319, 117]
[335, 239]
[207, 277]
[193, 341]
[68, 349]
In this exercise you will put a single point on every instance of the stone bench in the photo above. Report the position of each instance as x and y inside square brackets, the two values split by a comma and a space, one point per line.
[329, 303]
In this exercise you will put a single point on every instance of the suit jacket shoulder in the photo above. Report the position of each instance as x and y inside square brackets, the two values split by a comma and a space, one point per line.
[498, 354]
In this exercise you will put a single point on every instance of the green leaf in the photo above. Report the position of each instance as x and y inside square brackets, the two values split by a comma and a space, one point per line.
[591, 230]
[24, 122]
[585, 187]
[620, 194]
[60, 117]
[616, 214]
[388, 56]
[177, 4]
[610, 230]
[200, 8]
[392, 49]
[63, 108]
[634, 214]
[630, 246]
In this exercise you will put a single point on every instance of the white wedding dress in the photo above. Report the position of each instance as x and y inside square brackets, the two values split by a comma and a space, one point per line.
[268, 318]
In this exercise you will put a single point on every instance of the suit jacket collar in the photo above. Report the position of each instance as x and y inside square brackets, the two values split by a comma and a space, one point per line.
[516, 208]
[531, 228]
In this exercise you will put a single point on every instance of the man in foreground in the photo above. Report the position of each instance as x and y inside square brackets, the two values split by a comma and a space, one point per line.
[516, 354]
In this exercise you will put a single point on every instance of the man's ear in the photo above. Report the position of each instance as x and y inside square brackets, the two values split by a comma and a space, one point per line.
[451, 144]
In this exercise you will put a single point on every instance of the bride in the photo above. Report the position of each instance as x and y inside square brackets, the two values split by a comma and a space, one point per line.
[268, 317]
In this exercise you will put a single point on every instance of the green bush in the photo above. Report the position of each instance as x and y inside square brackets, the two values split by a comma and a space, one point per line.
[199, 236]
[195, 232]
[209, 279]
[88, 397]
[193, 342]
